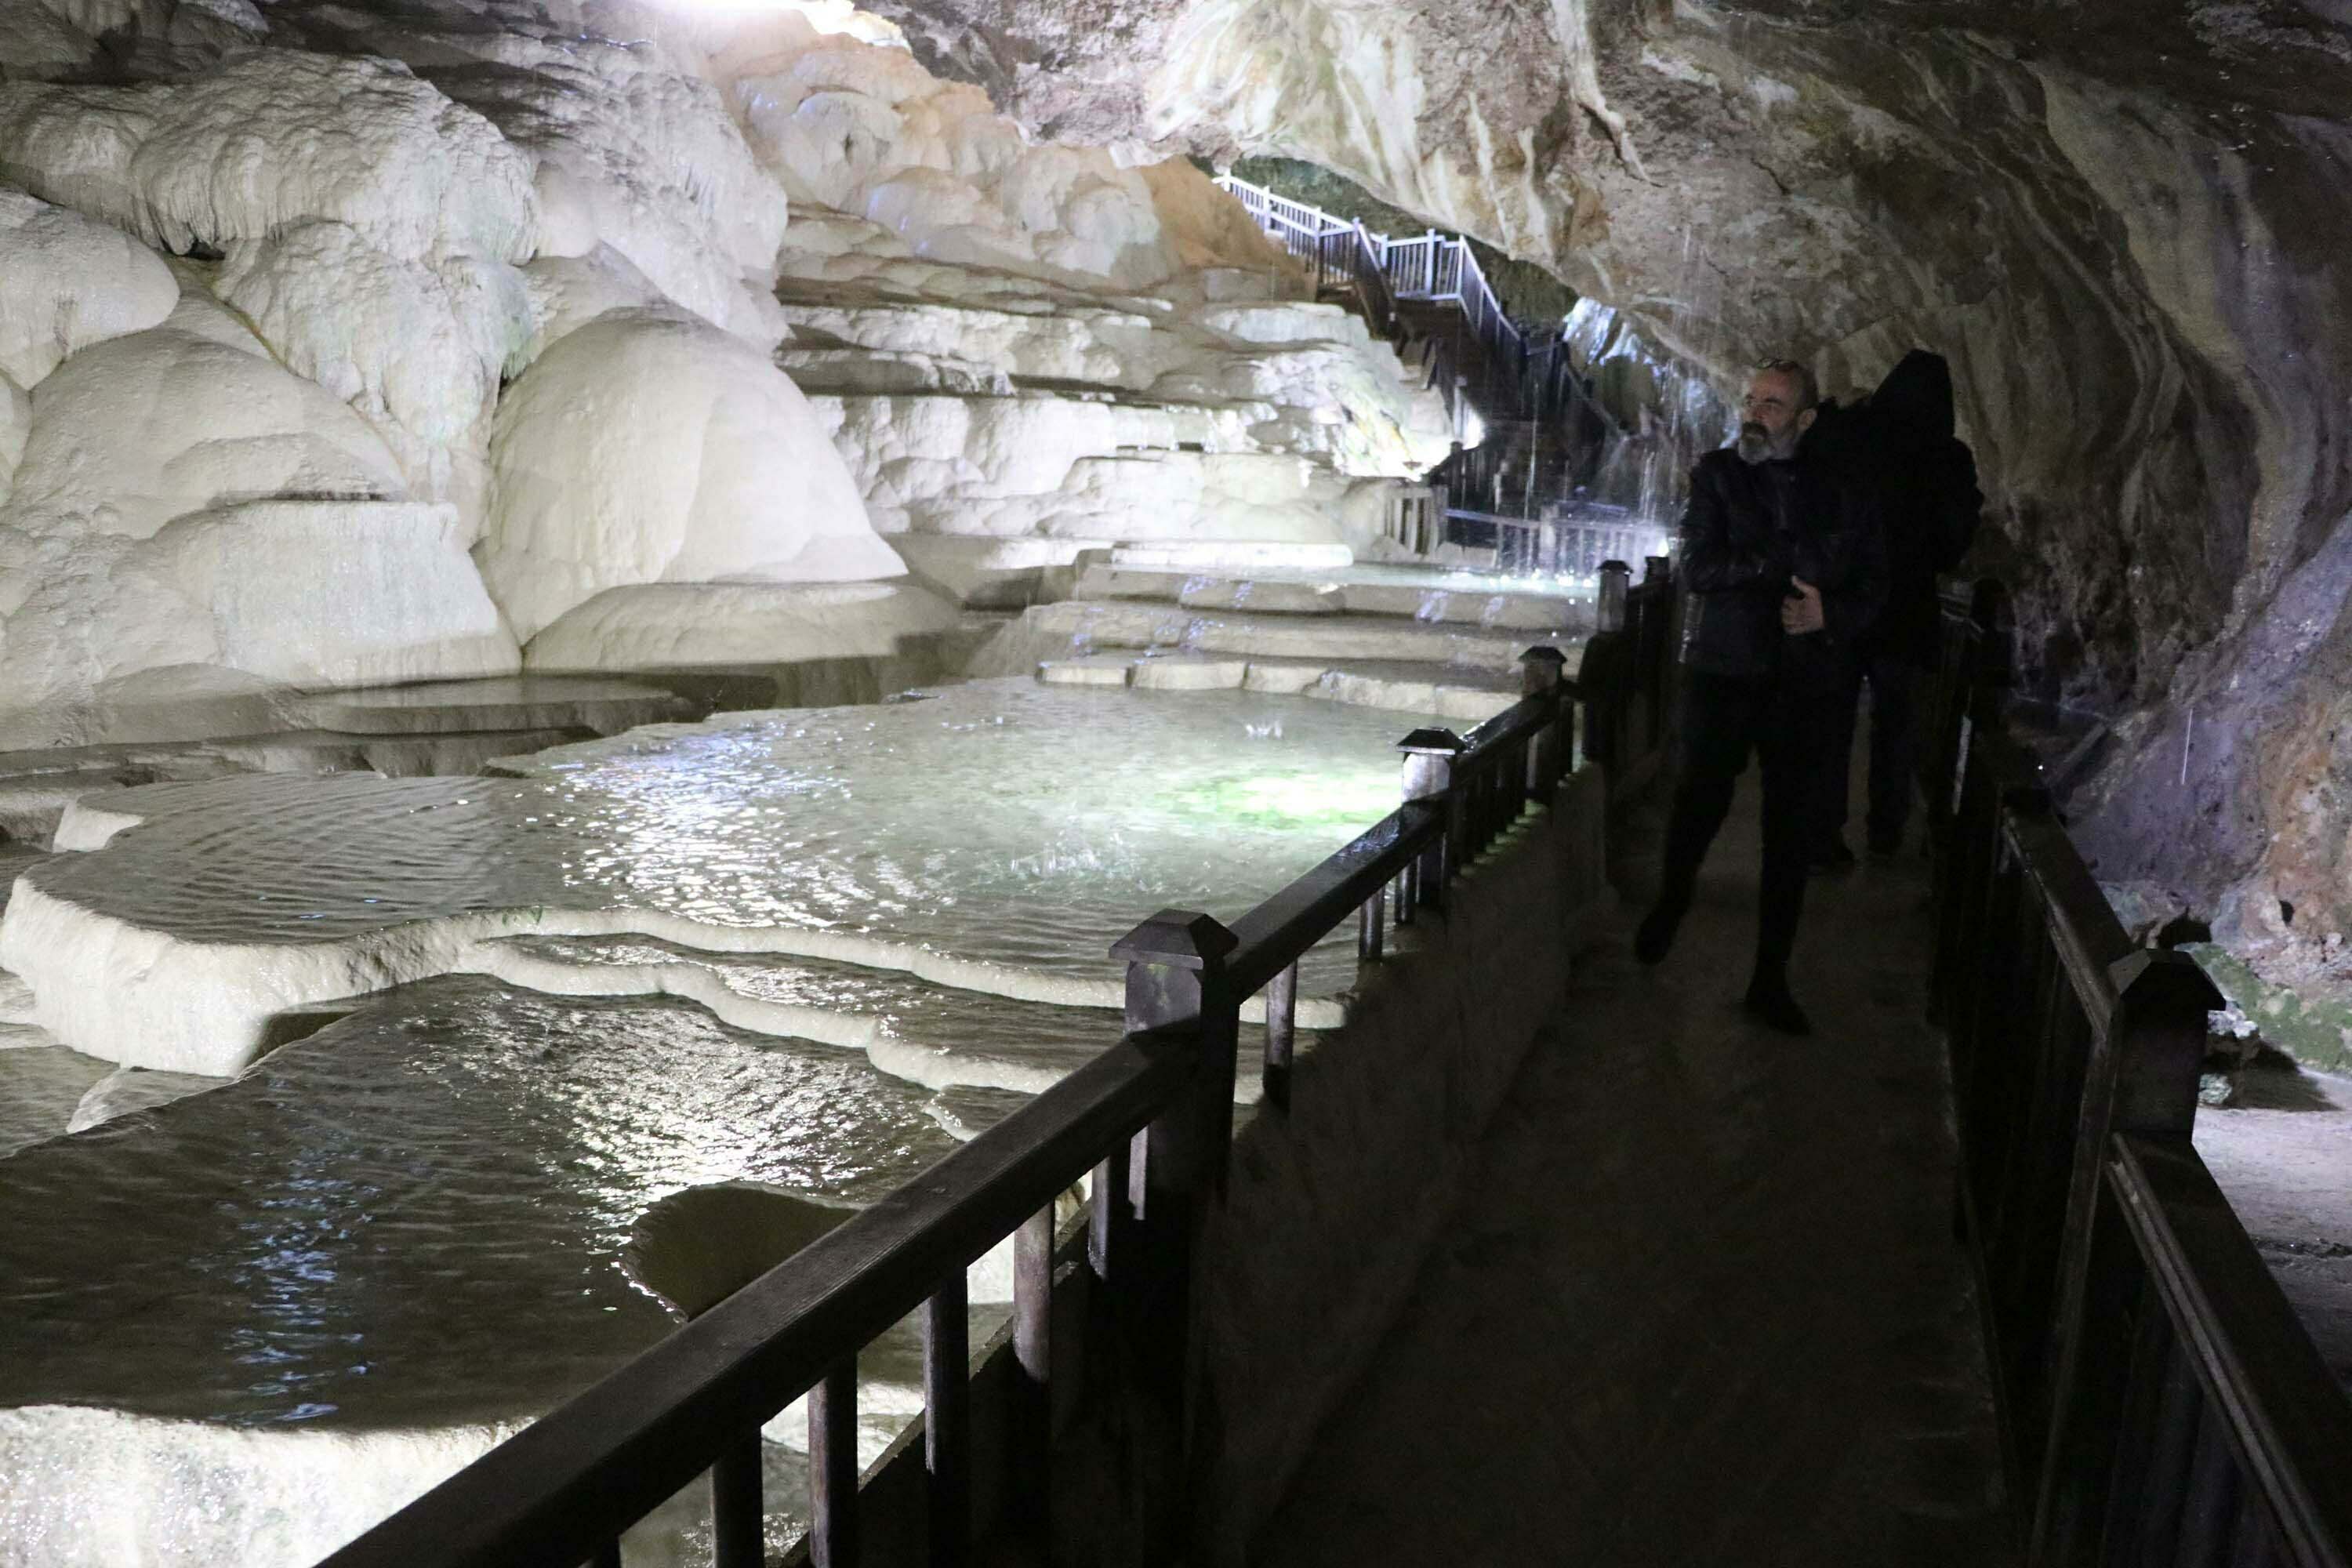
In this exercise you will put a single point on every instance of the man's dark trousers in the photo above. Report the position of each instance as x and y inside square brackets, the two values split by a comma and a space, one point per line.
[1894, 748]
[1785, 722]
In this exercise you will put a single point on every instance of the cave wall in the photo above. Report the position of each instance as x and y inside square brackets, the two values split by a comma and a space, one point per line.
[362, 344]
[2117, 218]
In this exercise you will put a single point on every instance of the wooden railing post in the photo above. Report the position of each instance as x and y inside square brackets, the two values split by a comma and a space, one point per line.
[1965, 804]
[1542, 673]
[1430, 774]
[1597, 676]
[1176, 982]
[2141, 1078]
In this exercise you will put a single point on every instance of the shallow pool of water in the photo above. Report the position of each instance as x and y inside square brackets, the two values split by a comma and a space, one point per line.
[1001, 820]
[416, 1215]
[413, 1220]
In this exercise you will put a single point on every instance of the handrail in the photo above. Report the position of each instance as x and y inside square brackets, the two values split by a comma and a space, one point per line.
[2159, 1400]
[1463, 792]
[1270, 939]
[1431, 265]
[553, 1494]
[2230, 1324]
[1150, 1119]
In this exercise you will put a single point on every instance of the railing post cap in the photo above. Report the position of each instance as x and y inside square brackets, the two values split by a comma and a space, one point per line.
[1431, 743]
[1185, 938]
[1545, 653]
[2150, 974]
[1616, 566]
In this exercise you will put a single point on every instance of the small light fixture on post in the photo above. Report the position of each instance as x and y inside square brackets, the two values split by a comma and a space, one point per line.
[1430, 774]
[1543, 672]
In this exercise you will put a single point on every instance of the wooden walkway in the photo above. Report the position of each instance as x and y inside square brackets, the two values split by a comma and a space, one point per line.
[1705, 1307]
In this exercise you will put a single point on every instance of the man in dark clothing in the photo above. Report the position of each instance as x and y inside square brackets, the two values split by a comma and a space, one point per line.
[1899, 444]
[1785, 566]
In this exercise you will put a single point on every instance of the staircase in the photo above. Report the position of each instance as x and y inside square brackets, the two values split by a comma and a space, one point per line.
[1425, 293]
[1526, 434]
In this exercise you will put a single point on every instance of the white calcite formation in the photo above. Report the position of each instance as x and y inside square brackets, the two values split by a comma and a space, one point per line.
[979, 408]
[194, 913]
[342, 348]
[369, 224]
[866, 132]
[736, 625]
[120, 1483]
[72, 282]
[190, 520]
[650, 447]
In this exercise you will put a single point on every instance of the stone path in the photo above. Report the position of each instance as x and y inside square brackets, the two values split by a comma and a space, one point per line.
[2281, 1155]
[1704, 1307]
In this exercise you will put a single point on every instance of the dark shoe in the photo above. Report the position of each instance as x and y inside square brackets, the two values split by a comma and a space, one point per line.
[1768, 1003]
[1886, 842]
[1830, 857]
[1655, 937]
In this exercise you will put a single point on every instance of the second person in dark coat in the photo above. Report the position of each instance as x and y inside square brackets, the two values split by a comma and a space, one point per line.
[1898, 445]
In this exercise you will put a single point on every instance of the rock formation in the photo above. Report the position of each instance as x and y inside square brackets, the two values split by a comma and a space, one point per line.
[649, 447]
[2115, 216]
[300, 306]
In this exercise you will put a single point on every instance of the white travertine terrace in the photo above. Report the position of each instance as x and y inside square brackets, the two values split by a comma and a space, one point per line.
[195, 913]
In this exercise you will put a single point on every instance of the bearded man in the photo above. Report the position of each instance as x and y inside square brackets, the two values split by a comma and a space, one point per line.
[1786, 569]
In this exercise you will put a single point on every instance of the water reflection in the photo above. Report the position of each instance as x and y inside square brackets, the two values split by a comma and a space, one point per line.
[1003, 821]
[415, 1216]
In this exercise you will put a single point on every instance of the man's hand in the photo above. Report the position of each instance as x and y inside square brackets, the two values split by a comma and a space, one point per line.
[1802, 615]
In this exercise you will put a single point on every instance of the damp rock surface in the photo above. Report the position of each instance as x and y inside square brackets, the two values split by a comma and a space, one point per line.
[2279, 1152]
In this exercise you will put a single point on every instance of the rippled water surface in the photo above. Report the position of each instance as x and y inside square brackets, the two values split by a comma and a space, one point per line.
[1001, 820]
[39, 1087]
[415, 1216]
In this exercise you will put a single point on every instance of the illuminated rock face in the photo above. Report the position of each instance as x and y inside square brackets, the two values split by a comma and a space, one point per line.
[190, 524]
[2116, 218]
[325, 300]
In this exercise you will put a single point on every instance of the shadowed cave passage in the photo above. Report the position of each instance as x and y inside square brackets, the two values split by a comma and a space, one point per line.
[1704, 1304]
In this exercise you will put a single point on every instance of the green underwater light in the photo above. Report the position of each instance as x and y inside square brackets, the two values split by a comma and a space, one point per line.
[1299, 798]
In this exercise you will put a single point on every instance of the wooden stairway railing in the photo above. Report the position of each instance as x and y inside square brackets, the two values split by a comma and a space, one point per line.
[1487, 370]
[1483, 359]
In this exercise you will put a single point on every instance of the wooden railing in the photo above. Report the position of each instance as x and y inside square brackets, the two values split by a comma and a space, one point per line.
[1379, 271]
[1480, 361]
[1566, 547]
[1415, 518]
[1147, 1124]
[2160, 1402]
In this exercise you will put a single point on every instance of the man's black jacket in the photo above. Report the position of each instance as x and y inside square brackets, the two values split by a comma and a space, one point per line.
[1749, 528]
